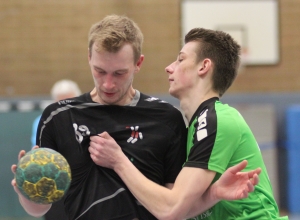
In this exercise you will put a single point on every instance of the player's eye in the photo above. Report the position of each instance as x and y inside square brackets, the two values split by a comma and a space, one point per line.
[100, 71]
[120, 73]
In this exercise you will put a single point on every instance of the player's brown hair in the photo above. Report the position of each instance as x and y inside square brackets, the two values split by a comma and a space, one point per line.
[222, 50]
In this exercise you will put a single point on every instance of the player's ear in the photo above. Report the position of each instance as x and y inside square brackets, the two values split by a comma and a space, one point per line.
[139, 63]
[204, 66]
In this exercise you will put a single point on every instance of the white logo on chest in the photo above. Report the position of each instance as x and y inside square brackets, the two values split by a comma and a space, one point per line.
[202, 123]
[80, 132]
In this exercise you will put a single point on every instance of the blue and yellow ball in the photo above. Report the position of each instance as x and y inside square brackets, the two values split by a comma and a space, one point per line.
[43, 175]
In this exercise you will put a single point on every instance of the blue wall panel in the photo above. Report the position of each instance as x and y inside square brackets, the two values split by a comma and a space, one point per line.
[293, 157]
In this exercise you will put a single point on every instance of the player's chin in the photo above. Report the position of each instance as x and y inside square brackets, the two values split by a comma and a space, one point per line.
[110, 100]
[173, 92]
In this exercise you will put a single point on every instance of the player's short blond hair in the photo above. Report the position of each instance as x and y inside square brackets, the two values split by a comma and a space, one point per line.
[113, 32]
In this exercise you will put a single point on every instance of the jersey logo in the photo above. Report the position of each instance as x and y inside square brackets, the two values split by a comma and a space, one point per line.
[205, 214]
[202, 123]
[64, 102]
[135, 134]
[151, 99]
[80, 132]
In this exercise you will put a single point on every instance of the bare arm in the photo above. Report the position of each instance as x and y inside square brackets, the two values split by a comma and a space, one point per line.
[188, 197]
[162, 202]
[232, 185]
[33, 209]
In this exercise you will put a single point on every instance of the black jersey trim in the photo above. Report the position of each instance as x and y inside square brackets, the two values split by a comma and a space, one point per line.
[203, 106]
[101, 200]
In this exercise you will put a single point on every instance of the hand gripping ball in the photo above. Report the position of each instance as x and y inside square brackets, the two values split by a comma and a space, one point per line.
[43, 175]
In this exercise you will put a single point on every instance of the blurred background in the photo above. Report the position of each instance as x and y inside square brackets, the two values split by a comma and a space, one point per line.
[44, 41]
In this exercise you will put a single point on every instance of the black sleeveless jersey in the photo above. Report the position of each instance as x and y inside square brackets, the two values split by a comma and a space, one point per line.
[151, 133]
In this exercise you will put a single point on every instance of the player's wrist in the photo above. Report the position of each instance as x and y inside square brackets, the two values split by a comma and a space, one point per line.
[213, 193]
[121, 164]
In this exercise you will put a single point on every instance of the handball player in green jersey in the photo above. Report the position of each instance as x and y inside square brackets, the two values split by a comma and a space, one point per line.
[218, 138]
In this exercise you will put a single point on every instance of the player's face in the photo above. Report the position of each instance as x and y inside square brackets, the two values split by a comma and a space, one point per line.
[183, 71]
[113, 75]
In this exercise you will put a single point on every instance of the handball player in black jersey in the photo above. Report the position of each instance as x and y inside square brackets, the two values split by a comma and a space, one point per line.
[151, 132]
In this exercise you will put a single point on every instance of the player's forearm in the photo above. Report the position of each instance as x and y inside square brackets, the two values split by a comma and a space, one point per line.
[155, 198]
[204, 203]
[34, 209]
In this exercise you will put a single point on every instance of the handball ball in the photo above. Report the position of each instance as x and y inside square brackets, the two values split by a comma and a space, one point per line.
[43, 175]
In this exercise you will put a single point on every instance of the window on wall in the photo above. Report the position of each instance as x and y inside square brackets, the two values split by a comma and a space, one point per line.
[252, 23]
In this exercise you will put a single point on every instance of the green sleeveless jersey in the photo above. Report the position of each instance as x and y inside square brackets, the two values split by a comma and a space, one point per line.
[218, 138]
